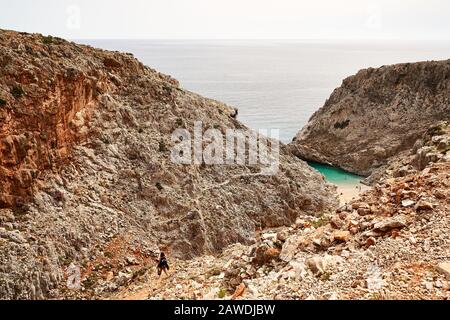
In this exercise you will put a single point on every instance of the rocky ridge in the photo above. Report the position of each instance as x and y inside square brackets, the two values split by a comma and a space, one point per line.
[376, 115]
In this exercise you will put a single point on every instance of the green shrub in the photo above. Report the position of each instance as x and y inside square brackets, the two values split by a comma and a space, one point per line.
[325, 276]
[215, 271]
[341, 125]
[2, 102]
[162, 146]
[47, 39]
[17, 92]
[222, 293]
[320, 222]
[376, 296]
[89, 282]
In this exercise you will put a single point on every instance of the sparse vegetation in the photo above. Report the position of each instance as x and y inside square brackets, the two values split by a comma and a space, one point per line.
[162, 146]
[341, 125]
[109, 255]
[20, 210]
[320, 222]
[222, 293]
[89, 282]
[325, 276]
[215, 271]
[65, 261]
[47, 39]
[376, 296]
[17, 92]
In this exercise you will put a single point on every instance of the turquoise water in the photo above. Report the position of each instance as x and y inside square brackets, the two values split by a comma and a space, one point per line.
[336, 175]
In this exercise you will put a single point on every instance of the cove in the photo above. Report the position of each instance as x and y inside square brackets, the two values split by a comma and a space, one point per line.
[336, 175]
[349, 185]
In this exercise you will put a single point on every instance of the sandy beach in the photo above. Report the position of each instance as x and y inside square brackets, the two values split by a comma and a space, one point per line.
[350, 191]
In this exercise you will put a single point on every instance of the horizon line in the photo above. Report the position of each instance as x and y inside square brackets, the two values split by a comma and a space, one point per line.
[445, 41]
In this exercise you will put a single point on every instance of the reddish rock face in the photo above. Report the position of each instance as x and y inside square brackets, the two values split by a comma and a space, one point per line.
[48, 89]
[46, 102]
[40, 121]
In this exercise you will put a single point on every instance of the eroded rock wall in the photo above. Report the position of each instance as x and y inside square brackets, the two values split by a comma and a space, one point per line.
[375, 115]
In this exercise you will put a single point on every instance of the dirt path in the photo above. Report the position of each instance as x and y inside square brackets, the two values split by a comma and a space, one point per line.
[145, 289]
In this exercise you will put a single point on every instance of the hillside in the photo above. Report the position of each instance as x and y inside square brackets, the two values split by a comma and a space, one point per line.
[86, 174]
[390, 243]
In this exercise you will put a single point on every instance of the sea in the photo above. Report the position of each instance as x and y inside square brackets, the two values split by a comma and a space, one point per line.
[275, 84]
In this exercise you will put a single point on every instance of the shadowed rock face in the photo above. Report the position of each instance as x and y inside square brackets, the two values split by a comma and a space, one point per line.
[85, 138]
[376, 114]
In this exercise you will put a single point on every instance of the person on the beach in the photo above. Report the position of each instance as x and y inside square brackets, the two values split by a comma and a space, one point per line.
[162, 264]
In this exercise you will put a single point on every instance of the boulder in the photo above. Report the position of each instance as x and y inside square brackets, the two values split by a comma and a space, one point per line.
[341, 235]
[316, 265]
[408, 203]
[299, 268]
[264, 254]
[290, 248]
[423, 205]
[282, 235]
[444, 268]
[14, 236]
[269, 236]
[319, 265]
[389, 224]
[336, 222]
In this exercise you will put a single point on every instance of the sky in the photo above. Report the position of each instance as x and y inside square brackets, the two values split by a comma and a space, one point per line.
[230, 19]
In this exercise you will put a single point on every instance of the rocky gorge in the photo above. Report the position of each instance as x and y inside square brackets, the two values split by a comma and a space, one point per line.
[86, 182]
[85, 139]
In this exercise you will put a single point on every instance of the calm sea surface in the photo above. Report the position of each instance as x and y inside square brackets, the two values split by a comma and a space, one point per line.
[274, 84]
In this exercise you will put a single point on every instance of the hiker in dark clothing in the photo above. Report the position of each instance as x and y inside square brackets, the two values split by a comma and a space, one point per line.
[162, 264]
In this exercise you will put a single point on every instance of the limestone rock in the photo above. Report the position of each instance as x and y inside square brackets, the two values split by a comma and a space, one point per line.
[389, 224]
[444, 267]
[407, 203]
[377, 114]
[320, 265]
[341, 235]
[423, 205]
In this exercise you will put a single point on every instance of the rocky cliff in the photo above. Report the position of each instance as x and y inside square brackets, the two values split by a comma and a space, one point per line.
[376, 114]
[86, 175]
